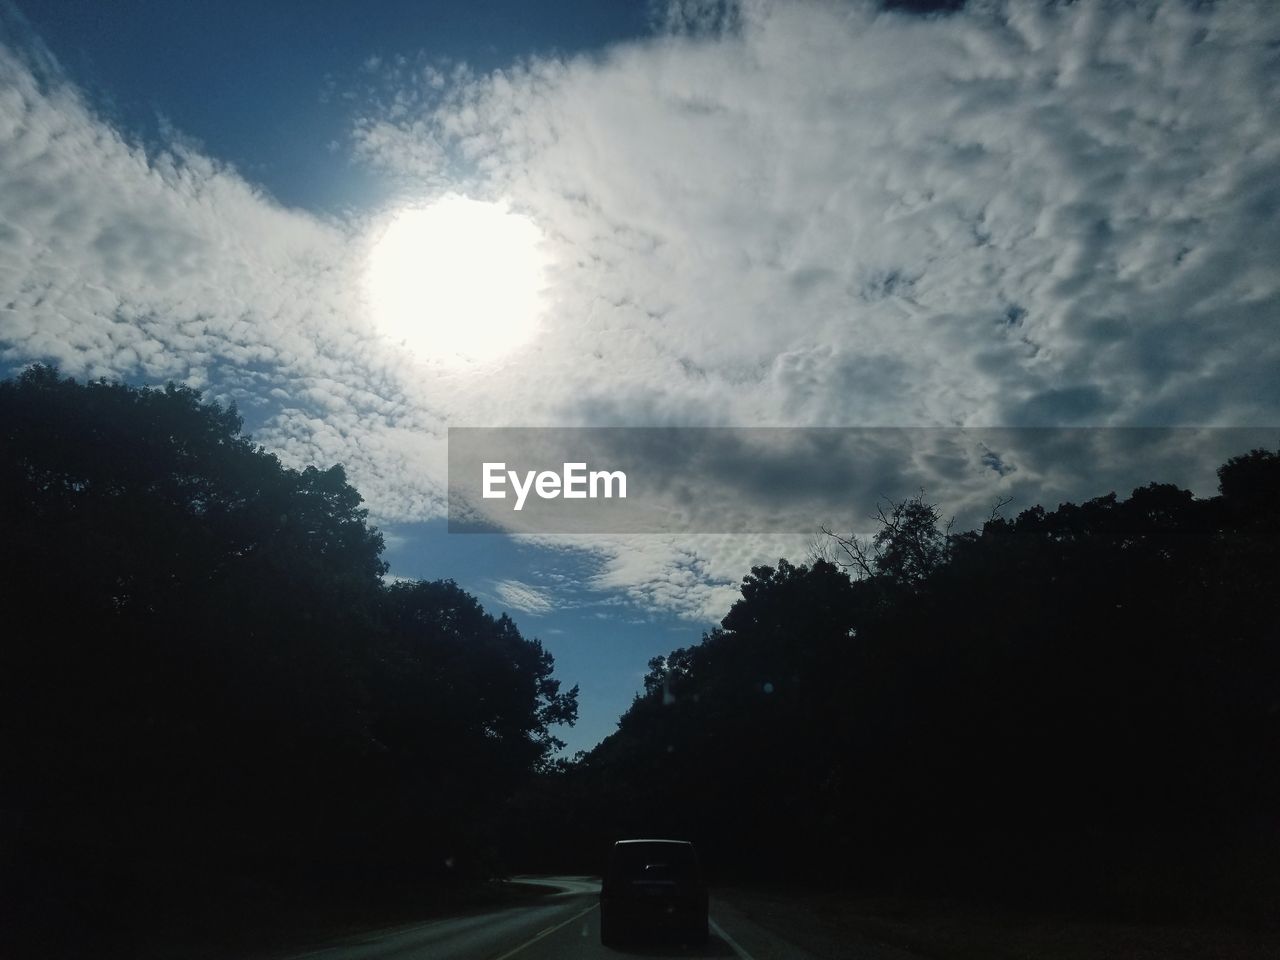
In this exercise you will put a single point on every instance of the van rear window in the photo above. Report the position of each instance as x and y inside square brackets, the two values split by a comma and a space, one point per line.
[654, 860]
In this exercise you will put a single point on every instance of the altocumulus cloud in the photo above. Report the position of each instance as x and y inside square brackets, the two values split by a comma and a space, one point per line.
[807, 213]
[814, 212]
[523, 597]
[162, 263]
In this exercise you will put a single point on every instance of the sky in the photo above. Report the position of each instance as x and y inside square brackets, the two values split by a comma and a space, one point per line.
[367, 223]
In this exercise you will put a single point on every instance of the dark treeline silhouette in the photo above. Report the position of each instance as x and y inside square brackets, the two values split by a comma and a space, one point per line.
[206, 686]
[204, 680]
[1077, 707]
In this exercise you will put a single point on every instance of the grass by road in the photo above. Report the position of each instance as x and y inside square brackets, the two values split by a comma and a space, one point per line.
[260, 919]
[834, 925]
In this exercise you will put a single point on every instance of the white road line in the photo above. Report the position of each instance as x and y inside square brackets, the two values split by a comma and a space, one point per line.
[542, 933]
[733, 944]
[358, 939]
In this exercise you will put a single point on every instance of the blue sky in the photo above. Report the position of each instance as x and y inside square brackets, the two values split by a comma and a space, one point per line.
[698, 212]
[257, 83]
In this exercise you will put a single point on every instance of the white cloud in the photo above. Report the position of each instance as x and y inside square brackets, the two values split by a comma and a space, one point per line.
[523, 597]
[811, 213]
[1023, 213]
[119, 261]
[790, 213]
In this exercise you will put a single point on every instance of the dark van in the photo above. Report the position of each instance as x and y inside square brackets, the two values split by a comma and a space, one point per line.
[653, 887]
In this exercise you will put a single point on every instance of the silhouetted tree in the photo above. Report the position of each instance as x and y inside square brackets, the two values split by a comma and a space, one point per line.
[203, 673]
[1078, 702]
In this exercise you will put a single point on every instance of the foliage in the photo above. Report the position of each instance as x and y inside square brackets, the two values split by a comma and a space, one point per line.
[1079, 702]
[202, 668]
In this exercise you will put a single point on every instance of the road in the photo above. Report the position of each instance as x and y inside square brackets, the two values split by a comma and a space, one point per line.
[560, 926]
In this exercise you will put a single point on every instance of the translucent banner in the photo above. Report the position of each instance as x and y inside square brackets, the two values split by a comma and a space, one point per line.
[583, 480]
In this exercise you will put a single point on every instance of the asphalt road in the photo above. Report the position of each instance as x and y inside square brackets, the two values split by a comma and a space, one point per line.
[562, 926]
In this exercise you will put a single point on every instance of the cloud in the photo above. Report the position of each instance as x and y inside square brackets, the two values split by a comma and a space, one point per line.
[523, 597]
[822, 213]
[164, 263]
[768, 213]
[161, 263]
[693, 576]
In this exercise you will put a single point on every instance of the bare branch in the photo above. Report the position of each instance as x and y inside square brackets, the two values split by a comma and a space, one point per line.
[1000, 504]
[859, 558]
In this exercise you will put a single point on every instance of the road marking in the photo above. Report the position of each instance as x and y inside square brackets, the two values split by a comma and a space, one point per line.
[365, 938]
[542, 933]
[733, 944]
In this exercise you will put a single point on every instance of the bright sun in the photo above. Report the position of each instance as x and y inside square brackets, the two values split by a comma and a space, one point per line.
[457, 281]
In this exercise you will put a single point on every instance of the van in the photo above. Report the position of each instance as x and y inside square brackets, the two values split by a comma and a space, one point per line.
[653, 888]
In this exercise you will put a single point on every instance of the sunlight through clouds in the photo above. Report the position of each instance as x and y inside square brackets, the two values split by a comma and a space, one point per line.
[805, 213]
[458, 280]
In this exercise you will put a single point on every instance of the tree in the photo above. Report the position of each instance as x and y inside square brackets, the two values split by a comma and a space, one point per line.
[908, 546]
[1028, 709]
[202, 667]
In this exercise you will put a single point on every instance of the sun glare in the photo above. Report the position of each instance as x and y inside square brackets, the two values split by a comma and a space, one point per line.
[458, 281]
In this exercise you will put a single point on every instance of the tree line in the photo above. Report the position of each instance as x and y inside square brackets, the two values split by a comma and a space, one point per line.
[205, 679]
[203, 674]
[1071, 706]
